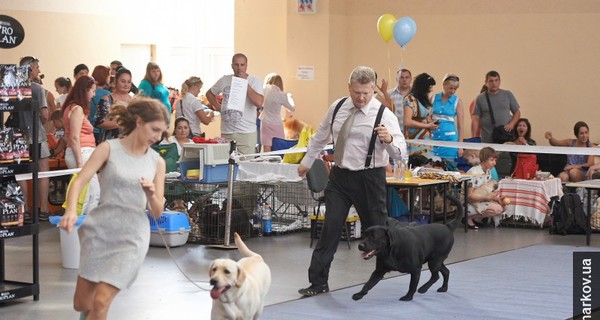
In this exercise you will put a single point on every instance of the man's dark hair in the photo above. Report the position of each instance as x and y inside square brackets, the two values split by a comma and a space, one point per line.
[492, 73]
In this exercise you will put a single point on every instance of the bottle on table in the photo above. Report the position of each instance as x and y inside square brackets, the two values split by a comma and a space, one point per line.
[267, 220]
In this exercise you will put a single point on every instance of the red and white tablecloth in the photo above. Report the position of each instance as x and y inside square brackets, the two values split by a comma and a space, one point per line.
[529, 198]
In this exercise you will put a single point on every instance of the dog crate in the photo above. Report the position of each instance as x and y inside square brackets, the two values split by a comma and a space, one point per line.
[171, 228]
[292, 205]
[206, 206]
[280, 187]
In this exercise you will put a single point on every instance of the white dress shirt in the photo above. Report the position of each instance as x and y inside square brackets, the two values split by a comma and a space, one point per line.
[357, 145]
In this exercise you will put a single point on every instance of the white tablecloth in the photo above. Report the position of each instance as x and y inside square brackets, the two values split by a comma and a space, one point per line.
[529, 198]
[267, 172]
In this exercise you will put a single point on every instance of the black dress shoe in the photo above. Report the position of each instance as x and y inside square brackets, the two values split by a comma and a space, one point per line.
[314, 290]
[474, 227]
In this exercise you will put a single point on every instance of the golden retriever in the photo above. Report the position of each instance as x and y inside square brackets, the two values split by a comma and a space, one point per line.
[292, 128]
[239, 288]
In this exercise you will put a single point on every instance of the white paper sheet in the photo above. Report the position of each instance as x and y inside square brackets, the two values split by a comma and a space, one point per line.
[237, 94]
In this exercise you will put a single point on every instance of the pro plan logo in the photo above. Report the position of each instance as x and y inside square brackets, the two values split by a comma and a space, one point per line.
[11, 32]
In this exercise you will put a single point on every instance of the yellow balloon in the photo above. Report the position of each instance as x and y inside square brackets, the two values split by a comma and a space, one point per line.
[385, 26]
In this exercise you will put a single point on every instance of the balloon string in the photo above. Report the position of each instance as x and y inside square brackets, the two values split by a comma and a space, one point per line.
[401, 58]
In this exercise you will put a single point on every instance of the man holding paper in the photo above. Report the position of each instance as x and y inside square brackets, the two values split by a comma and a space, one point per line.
[242, 96]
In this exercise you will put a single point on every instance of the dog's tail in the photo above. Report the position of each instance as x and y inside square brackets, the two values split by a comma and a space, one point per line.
[460, 212]
[246, 252]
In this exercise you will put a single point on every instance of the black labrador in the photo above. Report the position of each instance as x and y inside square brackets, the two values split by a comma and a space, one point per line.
[406, 249]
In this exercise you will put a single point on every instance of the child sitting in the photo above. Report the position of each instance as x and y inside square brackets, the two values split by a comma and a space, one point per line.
[57, 142]
[484, 201]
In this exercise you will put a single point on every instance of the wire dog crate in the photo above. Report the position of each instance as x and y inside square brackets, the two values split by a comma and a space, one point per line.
[205, 204]
[292, 205]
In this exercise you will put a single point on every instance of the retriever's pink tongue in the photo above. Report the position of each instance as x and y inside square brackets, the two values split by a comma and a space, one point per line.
[215, 293]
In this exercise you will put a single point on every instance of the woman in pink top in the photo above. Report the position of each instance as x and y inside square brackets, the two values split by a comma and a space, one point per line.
[80, 134]
[78, 129]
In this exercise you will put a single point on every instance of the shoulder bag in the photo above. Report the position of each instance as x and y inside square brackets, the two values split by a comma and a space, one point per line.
[499, 135]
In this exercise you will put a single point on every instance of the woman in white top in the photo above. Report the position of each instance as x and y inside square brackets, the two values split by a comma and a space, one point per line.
[190, 107]
[271, 124]
[62, 86]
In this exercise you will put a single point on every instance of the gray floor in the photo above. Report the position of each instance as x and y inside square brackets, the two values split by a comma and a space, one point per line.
[162, 292]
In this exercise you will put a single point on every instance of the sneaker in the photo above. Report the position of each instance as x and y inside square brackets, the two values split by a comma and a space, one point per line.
[44, 215]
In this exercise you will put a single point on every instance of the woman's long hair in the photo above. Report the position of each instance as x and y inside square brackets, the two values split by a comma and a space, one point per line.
[78, 94]
[420, 88]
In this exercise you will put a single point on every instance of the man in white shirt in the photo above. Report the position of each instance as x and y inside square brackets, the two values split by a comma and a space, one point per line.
[356, 179]
[238, 125]
[404, 78]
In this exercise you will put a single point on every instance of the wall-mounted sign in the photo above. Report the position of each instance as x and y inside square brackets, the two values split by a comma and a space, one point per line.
[307, 6]
[11, 32]
[305, 72]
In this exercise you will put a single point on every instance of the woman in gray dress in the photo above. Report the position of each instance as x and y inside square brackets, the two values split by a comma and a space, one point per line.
[115, 236]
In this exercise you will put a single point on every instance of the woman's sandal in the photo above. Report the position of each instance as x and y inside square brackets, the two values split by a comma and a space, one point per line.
[314, 290]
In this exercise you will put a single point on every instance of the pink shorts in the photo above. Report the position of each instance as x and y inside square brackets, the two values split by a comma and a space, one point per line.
[268, 131]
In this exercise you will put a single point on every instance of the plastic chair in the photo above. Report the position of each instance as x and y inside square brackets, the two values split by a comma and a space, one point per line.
[317, 178]
[282, 144]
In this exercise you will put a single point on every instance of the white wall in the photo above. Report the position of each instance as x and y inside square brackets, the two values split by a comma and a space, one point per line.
[190, 37]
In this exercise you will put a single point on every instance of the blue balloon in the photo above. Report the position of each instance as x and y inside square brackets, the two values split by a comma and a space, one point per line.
[413, 23]
[404, 30]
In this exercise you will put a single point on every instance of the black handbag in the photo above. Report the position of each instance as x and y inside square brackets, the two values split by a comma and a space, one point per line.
[499, 134]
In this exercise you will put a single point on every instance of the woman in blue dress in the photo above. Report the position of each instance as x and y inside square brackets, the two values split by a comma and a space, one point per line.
[448, 112]
[417, 113]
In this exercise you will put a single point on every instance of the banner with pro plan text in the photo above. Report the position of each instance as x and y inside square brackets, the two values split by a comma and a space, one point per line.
[586, 285]
[11, 32]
